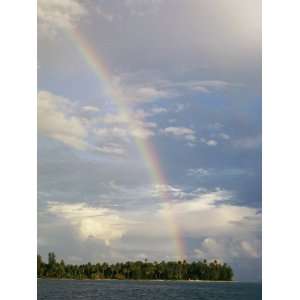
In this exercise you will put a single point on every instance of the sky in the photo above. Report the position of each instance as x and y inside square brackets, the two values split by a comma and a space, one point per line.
[149, 131]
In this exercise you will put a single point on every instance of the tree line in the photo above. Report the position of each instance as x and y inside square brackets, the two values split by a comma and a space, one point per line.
[172, 270]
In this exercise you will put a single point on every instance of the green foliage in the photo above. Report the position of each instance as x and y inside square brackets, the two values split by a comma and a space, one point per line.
[180, 270]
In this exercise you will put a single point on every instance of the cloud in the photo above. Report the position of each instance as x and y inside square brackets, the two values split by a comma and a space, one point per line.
[202, 202]
[126, 125]
[89, 108]
[209, 142]
[133, 89]
[223, 230]
[58, 15]
[91, 222]
[110, 148]
[112, 132]
[198, 172]
[204, 86]
[217, 134]
[56, 119]
[141, 132]
[182, 132]
[172, 191]
[219, 218]
[60, 119]
[227, 250]
[209, 249]
[149, 92]
[149, 86]
[217, 228]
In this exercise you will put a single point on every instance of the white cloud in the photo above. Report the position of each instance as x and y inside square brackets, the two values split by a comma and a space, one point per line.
[147, 86]
[209, 142]
[141, 132]
[132, 89]
[178, 130]
[219, 172]
[227, 249]
[55, 15]
[136, 129]
[227, 230]
[150, 93]
[56, 120]
[110, 148]
[210, 249]
[90, 108]
[59, 119]
[211, 214]
[217, 132]
[183, 132]
[202, 202]
[204, 86]
[91, 222]
[223, 230]
[172, 191]
[127, 125]
[198, 172]
[112, 132]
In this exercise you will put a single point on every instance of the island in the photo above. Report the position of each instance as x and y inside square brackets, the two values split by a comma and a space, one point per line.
[135, 270]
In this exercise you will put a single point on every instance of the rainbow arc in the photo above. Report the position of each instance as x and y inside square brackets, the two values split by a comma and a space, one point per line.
[145, 147]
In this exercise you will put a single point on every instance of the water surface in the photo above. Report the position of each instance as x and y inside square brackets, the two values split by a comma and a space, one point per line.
[146, 290]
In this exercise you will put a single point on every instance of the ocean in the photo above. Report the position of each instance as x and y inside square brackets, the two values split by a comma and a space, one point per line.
[146, 290]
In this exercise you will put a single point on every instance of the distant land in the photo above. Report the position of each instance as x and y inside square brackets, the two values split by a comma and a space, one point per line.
[135, 270]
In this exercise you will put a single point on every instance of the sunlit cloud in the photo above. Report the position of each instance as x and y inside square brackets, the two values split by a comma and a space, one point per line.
[180, 132]
[96, 223]
[56, 120]
[59, 14]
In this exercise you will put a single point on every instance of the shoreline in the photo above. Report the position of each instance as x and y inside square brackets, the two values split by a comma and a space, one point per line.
[137, 280]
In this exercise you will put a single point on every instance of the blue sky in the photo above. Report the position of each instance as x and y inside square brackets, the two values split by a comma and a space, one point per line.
[190, 74]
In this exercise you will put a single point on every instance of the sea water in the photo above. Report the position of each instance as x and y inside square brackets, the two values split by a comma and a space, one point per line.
[146, 290]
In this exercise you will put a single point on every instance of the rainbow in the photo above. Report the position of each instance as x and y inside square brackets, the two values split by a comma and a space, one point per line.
[145, 147]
